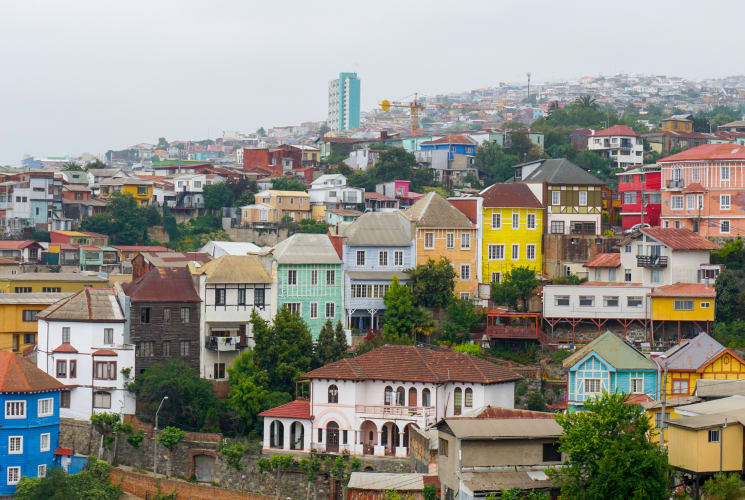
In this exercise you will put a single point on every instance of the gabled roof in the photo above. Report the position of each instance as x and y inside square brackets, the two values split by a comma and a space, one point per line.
[559, 171]
[163, 284]
[510, 195]
[694, 187]
[720, 151]
[494, 412]
[509, 428]
[435, 211]
[18, 374]
[611, 260]
[174, 259]
[89, 304]
[684, 290]
[230, 247]
[616, 130]
[679, 238]
[414, 364]
[235, 269]
[615, 351]
[730, 403]
[140, 248]
[300, 408]
[693, 353]
[379, 229]
[65, 347]
[452, 139]
[17, 245]
[306, 248]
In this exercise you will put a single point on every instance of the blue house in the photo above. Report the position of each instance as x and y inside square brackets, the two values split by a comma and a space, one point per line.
[455, 144]
[376, 247]
[608, 364]
[29, 422]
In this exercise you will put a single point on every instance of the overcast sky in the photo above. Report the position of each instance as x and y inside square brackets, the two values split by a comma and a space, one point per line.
[92, 75]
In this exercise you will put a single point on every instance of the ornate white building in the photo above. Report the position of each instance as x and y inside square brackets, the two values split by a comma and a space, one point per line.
[368, 404]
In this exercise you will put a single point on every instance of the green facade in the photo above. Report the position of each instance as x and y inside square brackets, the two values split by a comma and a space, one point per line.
[311, 286]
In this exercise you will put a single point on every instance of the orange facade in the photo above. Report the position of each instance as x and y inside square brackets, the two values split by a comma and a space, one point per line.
[457, 245]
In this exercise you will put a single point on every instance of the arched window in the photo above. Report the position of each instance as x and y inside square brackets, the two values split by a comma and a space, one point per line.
[426, 398]
[276, 434]
[469, 397]
[412, 397]
[333, 394]
[400, 396]
[457, 400]
[388, 395]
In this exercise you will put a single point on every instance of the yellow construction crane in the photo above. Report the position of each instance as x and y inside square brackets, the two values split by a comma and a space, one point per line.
[414, 106]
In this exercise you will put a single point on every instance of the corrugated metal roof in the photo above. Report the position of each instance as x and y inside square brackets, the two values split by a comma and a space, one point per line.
[32, 298]
[559, 171]
[52, 277]
[306, 248]
[679, 238]
[615, 351]
[388, 229]
[711, 152]
[504, 428]
[672, 402]
[376, 275]
[730, 403]
[693, 353]
[707, 388]
[385, 481]
[435, 211]
[90, 304]
[236, 269]
[163, 284]
[605, 260]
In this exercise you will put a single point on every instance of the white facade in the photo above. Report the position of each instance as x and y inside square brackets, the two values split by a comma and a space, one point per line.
[353, 415]
[623, 150]
[98, 382]
[590, 301]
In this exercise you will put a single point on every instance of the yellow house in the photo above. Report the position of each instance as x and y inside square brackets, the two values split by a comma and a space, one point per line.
[707, 443]
[698, 358]
[444, 231]
[653, 410]
[512, 230]
[678, 123]
[674, 305]
[140, 189]
[293, 204]
[50, 282]
[18, 325]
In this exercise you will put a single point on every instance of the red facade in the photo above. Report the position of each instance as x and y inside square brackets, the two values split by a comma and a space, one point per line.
[279, 160]
[640, 194]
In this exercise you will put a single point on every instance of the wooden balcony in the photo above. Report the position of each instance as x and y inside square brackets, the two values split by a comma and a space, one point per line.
[653, 261]
[516, 333]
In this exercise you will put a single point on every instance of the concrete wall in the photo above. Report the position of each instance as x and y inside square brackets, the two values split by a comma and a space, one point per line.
[503, 453]
[261, 238]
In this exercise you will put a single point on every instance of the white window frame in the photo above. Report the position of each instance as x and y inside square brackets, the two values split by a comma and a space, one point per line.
[291, 305]
[704, 305]
[314, 310]
[585, 297]
[398, 258]
[498, 248]
[676, 202]
[465, 272]
[9, 403]
[41, 470]
[48, 437]
[556, 197]
[724, 173]
[583, 198]
[515, 251]
[95, 393]
[690, 202]
[714, 436]
[590, 383]
[722, 204]
[465, 240]
[383, 258]
[630, 298]
[531, 222]
[560, 298]
[14, 475]
[450, 240]
[515, 220]
[429, 245]
[607, 300]
[722, 224]
[496, 277]
[330, 277]
[530, 252]
[314, 276]
[332, 314]
[360, 258]
[496, 220]
[50, 403]
[292, 277]
[682, 305]
[12, 450]
[640, 382]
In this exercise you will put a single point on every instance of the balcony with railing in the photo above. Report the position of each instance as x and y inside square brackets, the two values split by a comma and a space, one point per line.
[675, 184]
[654, 261]
[396, 412]
[224, 344]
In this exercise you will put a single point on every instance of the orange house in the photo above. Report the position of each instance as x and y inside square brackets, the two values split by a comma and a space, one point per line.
[703, 189]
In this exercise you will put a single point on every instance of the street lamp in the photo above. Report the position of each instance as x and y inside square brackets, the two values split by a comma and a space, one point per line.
[155, 440]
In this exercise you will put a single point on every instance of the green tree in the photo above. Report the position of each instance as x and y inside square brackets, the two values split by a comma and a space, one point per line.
[608, 453]
[536, 402]
[217, 196]
[94, 164]
[340, 339]
[162, 144]
[724, 487]
[105, 423]
[432, 283]
[169, 438]
[189, 396]
[493, 164]
[288, 184]
[233, 452]
[248, 390]
[276, 465]
[429, 492]
[729, 301]
[135, 441]
[71, 166]
[261, 132]
[394, 164]
[586, 101]
[462, 317]
[518, 284]
[730, 334]
[282, 349]
[718, 120]
[311, 470]
[522, 147]
[92, 483]
[327, 348]
[399, 314]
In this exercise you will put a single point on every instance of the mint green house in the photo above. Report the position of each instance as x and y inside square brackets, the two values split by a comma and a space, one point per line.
[309, 279]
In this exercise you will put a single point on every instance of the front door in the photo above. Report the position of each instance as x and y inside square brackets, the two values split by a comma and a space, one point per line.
[16, 342]
[204, 468]
[332, 437]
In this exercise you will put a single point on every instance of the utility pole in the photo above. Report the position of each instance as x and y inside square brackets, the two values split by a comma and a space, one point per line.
[663, 420]
[528, 73]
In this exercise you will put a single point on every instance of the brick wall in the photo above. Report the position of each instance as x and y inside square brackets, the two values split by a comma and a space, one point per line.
[141, 485]
[159, 332]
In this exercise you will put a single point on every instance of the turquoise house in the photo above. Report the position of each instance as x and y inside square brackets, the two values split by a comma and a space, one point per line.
[309, 279]
[608, 364]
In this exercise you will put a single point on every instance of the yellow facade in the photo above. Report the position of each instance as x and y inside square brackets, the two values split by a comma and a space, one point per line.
[10, 284]
[677, 125]
[449, 243]
[663, 309]
[142, 193]
[691, 450]
[318, 212]
[725, 366]
[499, 236]
[654, 436]
[18, 330]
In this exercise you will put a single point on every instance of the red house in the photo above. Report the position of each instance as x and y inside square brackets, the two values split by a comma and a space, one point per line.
[641, 199]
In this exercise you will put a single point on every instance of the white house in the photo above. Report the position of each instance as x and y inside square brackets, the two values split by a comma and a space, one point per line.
[619, 143]
[366, 405]
[219, 248]
[231, 288]
[332, 190]
[83, 344]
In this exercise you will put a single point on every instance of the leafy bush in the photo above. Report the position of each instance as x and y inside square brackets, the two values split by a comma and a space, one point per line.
[90, 484]
[559, 355]
[468, 348]
[233, 452]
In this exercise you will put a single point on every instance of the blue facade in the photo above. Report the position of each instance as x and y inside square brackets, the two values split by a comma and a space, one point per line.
[454, 149]
[583, 375]
[349, 101]
[39, 436]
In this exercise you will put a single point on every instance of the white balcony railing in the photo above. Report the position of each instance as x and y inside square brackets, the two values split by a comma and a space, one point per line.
[396, 411]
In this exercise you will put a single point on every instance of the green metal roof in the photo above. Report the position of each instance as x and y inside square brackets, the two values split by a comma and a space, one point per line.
[615, 351]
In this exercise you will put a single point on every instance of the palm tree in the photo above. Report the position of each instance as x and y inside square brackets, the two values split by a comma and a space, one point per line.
[586, 101]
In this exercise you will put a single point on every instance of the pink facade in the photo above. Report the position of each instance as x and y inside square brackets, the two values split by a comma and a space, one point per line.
[640, 196]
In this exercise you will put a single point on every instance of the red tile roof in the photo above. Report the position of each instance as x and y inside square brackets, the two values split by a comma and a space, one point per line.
[616, 130]
[511, 195]
[414, 364]
[140, 248]
[452, 139]
[104, 352]
[605, 260]
[694, 188]
[163, 284]
[65, 347]
[300, 408]
[8, 262]
[637, 399]
[66, 452]
[721, 151]
[506, 413]
[16, 245]
[679, 238]
[684, 290]
[18, 374]
[377, 196]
